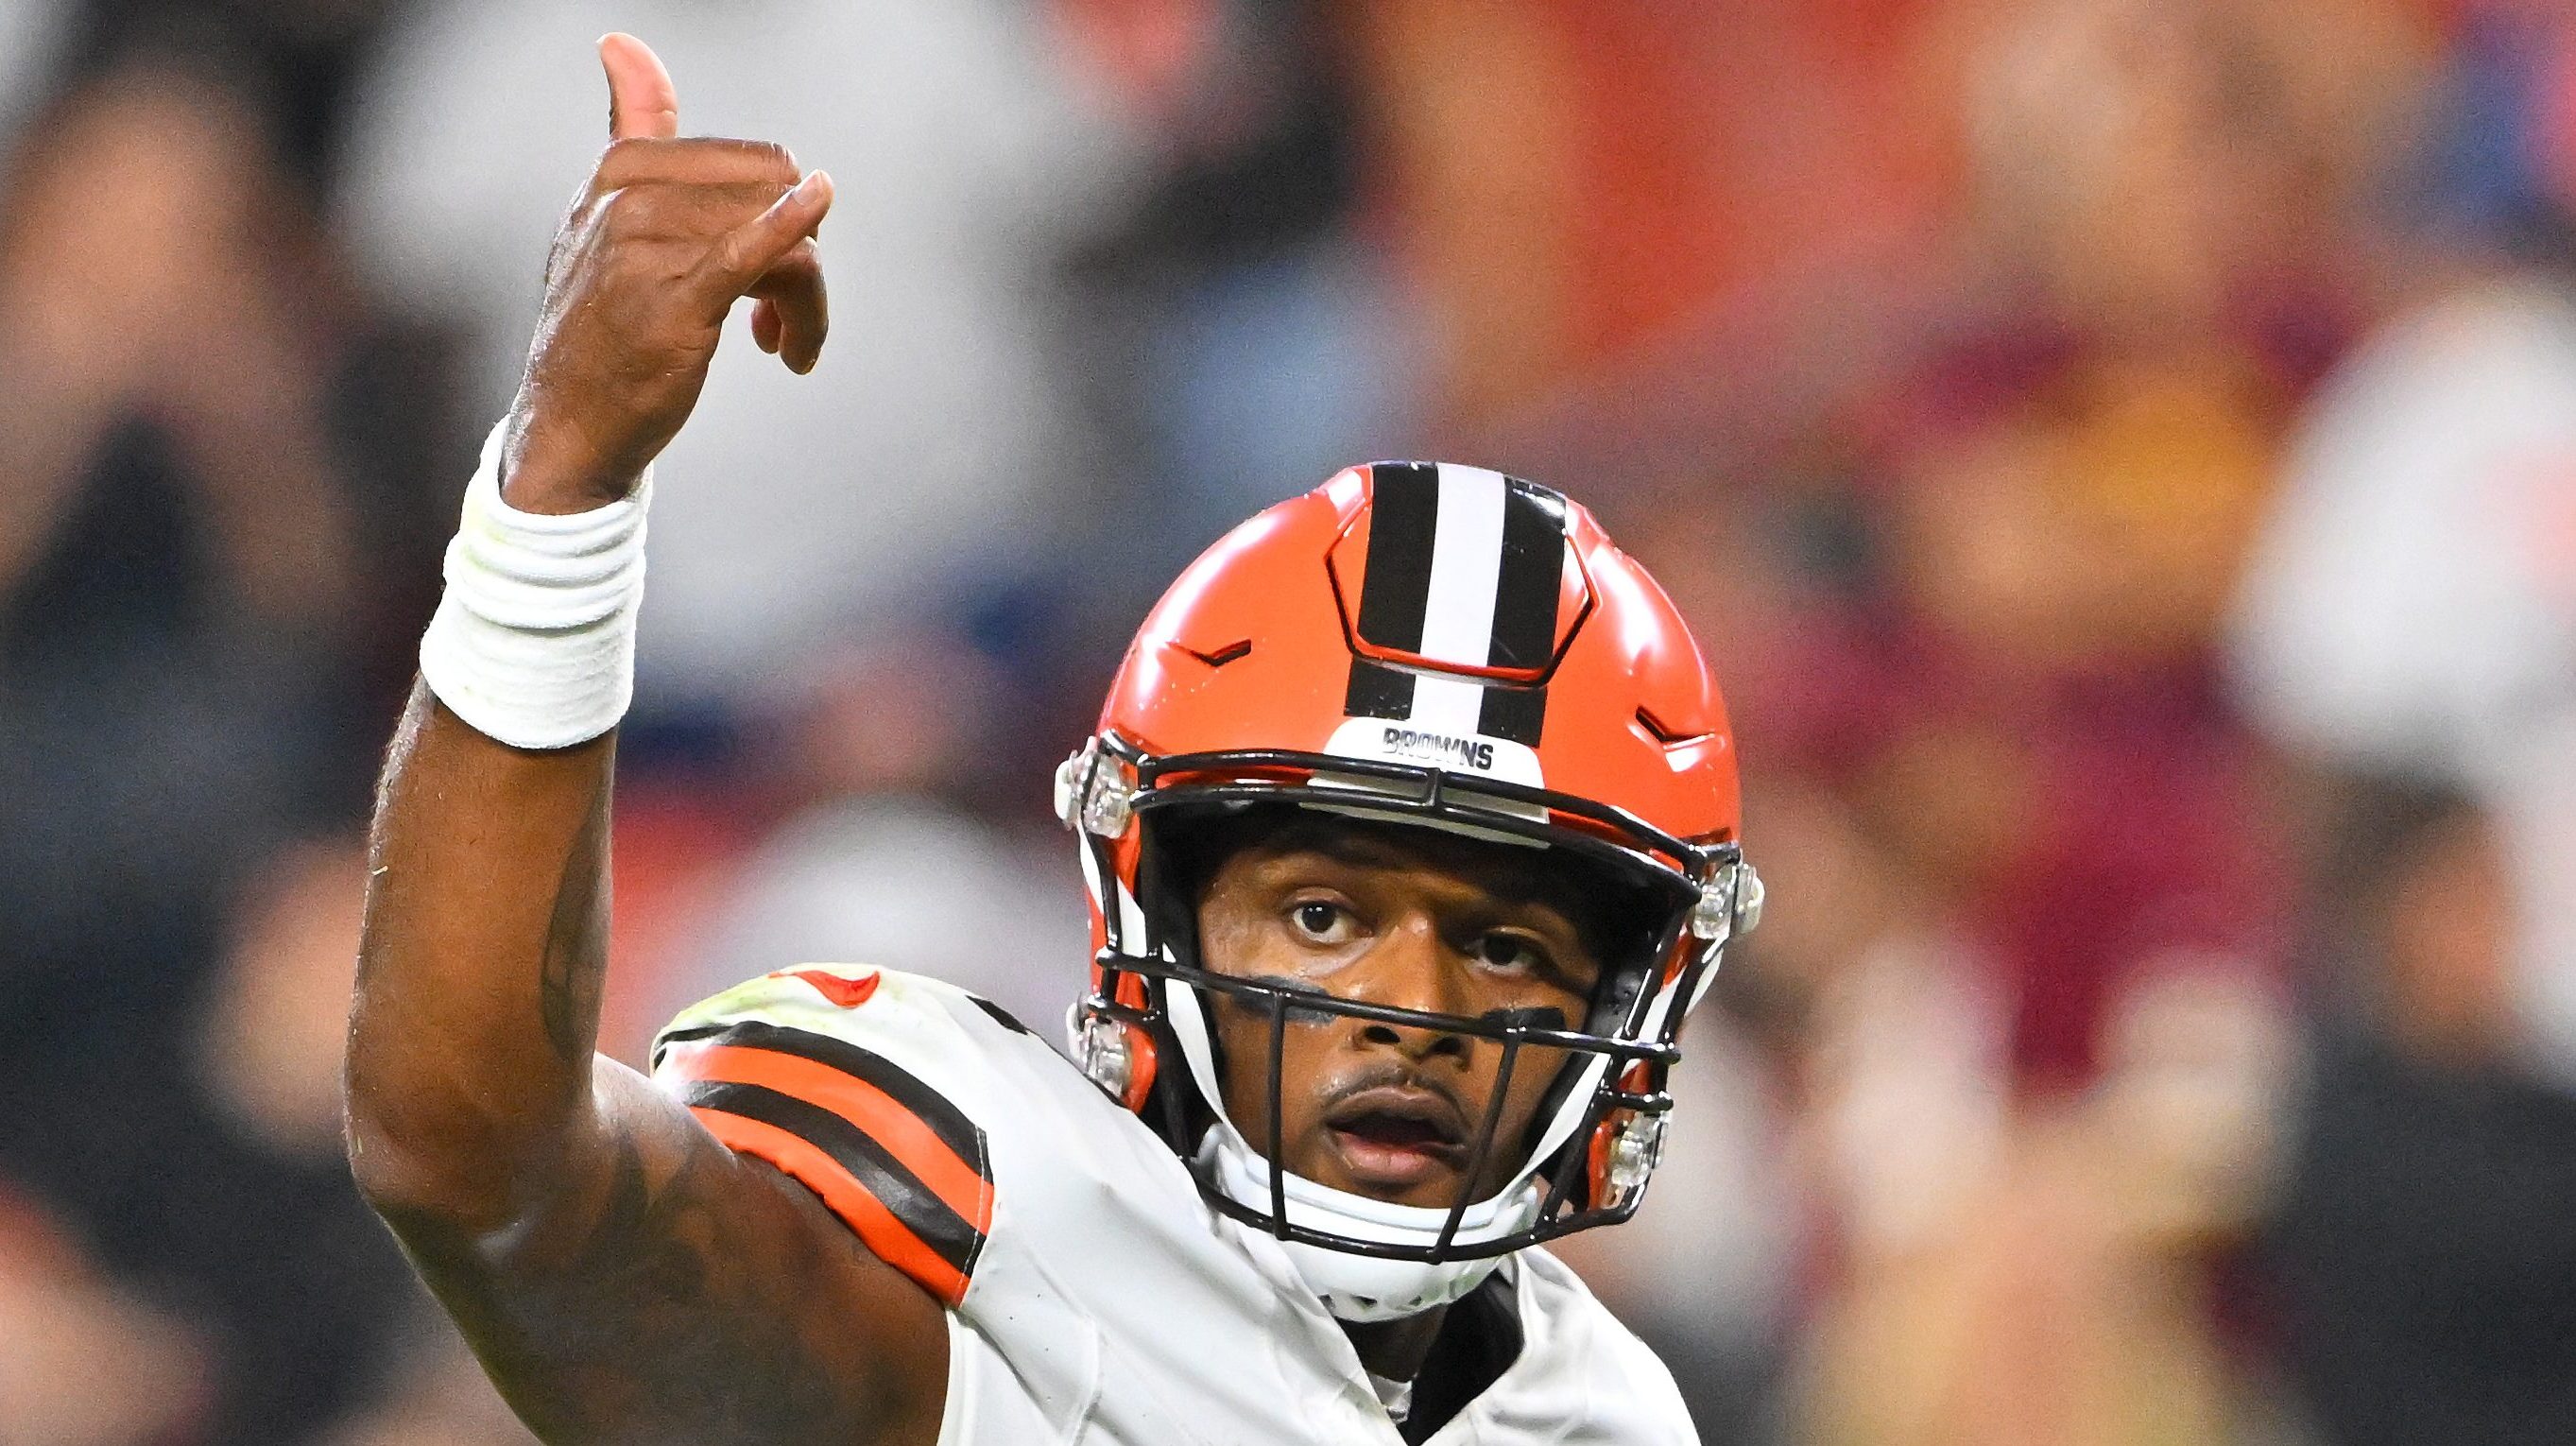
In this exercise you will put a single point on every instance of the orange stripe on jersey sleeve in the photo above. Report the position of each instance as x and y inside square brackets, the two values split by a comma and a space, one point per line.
[885, 1236]
[902, 1134]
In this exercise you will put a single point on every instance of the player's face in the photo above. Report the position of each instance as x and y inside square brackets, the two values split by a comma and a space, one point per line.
[1404, 917]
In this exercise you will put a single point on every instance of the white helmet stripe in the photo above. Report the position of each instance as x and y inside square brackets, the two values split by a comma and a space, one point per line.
[1463, 569]
[1466, 567]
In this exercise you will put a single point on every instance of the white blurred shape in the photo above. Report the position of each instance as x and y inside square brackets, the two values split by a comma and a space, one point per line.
[2411, 605]
[789, 506]
[1911, 1096]
[905, 884]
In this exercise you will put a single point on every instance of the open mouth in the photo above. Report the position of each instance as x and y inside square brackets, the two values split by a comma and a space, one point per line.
[1394, 1138]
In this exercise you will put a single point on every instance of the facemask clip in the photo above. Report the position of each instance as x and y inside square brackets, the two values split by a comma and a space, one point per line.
[1095, 791]
[1729, 904]
[1106, 1057]
[1636, 1146]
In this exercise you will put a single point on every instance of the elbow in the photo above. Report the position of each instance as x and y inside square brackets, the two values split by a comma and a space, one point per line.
[398, 1178]
[420, 1172]
[385, 1172]
[419, 1129]
[389, 1147]
[457, 1157]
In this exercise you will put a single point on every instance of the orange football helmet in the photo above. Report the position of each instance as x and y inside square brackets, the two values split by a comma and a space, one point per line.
[1443, 645]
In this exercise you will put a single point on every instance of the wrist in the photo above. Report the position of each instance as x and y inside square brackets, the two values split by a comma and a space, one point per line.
[534, 639]
[549, 467]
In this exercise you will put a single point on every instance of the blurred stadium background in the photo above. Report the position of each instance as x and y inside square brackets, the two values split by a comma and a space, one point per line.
[2121, 452]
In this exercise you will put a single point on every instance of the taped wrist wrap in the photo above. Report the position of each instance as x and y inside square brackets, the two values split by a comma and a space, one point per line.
[533, 642]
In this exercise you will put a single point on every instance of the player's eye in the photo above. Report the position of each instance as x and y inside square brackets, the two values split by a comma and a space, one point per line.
[1322, 921]
[1511, 954]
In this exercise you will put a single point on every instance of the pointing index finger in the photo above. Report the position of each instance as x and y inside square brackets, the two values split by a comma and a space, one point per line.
[749, 250]
[641, 100]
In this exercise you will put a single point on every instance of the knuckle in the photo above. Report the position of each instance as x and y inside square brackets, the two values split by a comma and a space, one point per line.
[625, 156]
[614, 212]
[718, 265]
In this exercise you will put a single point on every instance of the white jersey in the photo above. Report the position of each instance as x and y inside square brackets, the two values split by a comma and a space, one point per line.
[1093, 1295]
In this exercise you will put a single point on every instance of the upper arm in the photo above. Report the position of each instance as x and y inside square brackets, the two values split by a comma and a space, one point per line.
[674, 1290]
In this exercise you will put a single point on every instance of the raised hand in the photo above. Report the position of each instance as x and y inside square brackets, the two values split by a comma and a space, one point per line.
[666, 236]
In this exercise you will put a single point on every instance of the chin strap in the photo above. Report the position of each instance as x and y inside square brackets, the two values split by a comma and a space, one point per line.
[1365, 1288]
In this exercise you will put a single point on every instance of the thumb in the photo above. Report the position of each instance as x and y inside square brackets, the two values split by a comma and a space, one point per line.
[641, 101]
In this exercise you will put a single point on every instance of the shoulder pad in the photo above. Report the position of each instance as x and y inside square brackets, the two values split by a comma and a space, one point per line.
[865, 1086]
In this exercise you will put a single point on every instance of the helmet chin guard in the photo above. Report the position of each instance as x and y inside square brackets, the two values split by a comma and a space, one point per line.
[1365, 1288]
[1434, 646]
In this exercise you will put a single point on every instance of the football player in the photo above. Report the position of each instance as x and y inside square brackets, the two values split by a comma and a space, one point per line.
[1410, 828]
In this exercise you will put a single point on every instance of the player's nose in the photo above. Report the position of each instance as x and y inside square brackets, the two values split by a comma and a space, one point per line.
[1409, 968]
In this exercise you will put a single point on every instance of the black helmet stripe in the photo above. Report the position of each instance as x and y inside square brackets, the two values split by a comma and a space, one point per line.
[1464, 566]
[1518, 714]
[1404, 522]
[1376, 692]
[1525, 601]
[1533, 569]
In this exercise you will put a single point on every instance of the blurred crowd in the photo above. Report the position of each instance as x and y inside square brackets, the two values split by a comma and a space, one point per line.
[2120, 453]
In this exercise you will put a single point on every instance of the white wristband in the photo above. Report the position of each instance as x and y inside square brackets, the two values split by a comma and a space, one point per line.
[533, 642]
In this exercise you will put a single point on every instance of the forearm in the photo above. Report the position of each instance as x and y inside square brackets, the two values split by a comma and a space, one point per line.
[479, 971]
[621, 1275]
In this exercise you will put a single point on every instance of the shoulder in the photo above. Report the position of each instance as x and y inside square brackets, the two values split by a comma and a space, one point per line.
[908, 1105]
[1580, 1347]
[923, 1026]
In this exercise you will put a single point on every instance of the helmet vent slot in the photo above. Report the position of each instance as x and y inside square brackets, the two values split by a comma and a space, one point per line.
[1669, 737]
[1219, 657]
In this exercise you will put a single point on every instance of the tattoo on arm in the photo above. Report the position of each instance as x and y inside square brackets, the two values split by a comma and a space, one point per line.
[576, 952]
[663, 1320]
[729, 1360]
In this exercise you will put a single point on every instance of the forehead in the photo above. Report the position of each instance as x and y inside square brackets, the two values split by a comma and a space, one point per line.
[1505, 872]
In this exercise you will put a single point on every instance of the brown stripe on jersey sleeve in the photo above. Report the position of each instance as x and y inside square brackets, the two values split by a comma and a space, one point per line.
[885, 1236]
[912, 1169]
